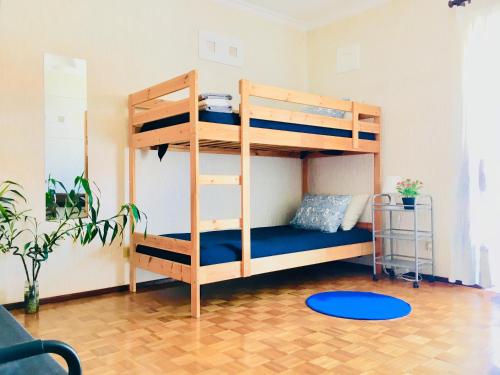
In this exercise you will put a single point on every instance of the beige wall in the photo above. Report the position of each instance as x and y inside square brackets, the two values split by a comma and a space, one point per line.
[410, 66]
[129, 45]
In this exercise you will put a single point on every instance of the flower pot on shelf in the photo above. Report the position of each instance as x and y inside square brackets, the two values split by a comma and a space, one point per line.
[31, 297]
[409, 203]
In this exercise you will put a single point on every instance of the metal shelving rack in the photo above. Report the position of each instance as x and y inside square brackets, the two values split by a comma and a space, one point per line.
[392, 259]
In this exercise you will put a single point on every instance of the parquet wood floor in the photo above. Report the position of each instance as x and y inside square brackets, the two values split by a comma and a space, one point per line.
[262, 326]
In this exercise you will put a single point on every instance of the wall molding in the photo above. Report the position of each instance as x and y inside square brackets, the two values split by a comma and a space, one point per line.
[169, 283]
[149, 285]
[283, 18]
[265, 13]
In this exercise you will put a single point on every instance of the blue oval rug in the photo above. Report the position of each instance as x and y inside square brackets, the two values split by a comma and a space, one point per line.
[358, 305]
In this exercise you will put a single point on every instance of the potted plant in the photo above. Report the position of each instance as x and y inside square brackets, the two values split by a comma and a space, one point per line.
[21, 234]
[409, 190]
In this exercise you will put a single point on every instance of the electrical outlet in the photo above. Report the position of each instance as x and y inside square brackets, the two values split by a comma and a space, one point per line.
[428, 248]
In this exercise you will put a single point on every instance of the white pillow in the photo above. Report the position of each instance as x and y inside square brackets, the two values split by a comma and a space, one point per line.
[354, 211]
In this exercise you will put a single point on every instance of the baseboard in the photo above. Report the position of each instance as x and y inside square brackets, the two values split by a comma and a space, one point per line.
[440, 279]
[161, 283]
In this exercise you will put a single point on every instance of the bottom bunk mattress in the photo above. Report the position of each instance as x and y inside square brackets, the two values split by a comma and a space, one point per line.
[225, 246]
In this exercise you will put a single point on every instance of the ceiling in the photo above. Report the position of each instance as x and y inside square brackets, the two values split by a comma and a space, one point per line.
[306, 14]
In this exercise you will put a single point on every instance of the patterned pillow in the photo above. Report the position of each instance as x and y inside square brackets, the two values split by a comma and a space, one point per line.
[321, 212]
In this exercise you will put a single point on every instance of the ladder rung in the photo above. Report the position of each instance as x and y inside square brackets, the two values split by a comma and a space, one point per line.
[220, 180]
[208, 225]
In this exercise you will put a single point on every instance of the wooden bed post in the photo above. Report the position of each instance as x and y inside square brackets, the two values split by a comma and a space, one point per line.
[377, 189]
[245, 180]
[194, 152]
[305, 176]
[131, 177]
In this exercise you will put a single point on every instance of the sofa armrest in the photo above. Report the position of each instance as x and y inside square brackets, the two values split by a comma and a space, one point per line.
[36, 347]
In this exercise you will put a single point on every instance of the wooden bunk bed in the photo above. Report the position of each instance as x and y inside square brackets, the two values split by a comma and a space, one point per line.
[193, 134]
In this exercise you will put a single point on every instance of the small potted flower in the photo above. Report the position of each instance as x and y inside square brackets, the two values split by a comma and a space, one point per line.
[409, 190]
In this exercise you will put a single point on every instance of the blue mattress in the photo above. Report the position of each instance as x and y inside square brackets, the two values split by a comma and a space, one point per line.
[225, 246]
[234, 119]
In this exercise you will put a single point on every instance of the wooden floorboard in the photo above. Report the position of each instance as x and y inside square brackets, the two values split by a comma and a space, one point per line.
[261, 325]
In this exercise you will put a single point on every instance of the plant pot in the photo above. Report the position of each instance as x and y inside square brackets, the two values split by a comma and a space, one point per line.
[31, 297]
[409, 203]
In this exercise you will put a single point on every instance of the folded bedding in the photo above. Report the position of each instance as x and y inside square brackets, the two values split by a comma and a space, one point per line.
[225, 246]
[215, 102]
[216, 108]
[234, 119]
[214, 95]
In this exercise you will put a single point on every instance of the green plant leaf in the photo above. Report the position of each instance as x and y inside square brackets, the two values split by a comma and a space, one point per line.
[115, 232]
[86, 188]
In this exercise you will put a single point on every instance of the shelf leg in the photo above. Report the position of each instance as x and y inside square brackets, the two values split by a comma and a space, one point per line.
[415, 242]
[374, 242]
[391, 240]
[432, 241]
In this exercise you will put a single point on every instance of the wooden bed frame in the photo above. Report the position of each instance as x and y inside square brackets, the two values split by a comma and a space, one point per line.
[197, 136]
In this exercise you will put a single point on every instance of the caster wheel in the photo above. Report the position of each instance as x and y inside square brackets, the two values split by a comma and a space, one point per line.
[415, 284]
[392, 274]
[374, 278]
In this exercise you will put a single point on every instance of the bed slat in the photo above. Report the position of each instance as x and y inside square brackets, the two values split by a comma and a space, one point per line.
[167, 87]
[178, 271]
[164, 243]
[220, 180]
[369, 127]
[367, 110]
[291, 96]
[172, 134]
[220, 272]
[294, 117]
[161, 111]
[151, 103]
[308, 141]
[223, 224]
[303, 258]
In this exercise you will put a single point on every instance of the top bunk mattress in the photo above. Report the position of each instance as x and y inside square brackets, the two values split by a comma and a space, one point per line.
[225, 246]
[234, 119]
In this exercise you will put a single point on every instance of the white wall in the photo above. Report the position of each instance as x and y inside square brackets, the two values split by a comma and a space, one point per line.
[410, 66]
[129, 45]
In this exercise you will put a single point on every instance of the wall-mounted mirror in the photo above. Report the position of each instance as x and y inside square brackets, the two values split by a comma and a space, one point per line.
[65, 89]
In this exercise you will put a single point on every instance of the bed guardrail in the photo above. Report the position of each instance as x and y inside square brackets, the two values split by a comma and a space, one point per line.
[165, 243]
[365, 118]
[148, 105]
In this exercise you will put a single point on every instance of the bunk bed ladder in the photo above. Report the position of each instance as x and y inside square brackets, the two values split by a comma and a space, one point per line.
[243, 180]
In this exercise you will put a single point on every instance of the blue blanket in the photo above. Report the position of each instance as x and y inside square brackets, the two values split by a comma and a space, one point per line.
[225, 246]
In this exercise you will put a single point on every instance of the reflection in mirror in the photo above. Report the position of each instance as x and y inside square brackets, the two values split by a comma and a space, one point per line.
[65, 89]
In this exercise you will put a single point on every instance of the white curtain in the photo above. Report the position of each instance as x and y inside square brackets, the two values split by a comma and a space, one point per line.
[476, 259]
